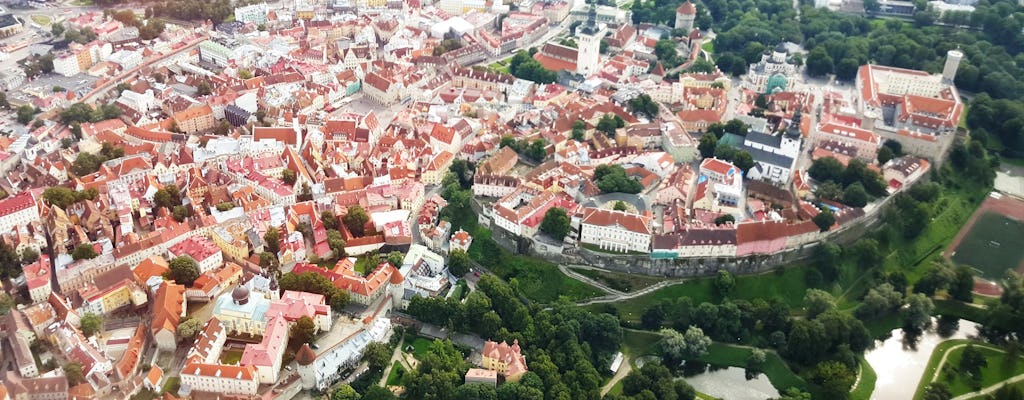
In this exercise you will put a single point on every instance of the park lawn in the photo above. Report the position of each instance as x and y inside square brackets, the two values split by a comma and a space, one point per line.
[231, 357]
[623, 282]
[774, 368]
[866, 385]
[42, 20]
[420, 346]
[397, 375]
[959, 309]
[963, 116]
[999, 368]
[360, 266]
[171, 385]
[499, 66]
[789, 285]
[637, 343]
[541, 281]
[82, 3]
[708, 46]
[914, 256]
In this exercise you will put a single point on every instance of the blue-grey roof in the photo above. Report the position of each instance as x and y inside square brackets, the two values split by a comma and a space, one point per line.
[768, 157]
[765, 139]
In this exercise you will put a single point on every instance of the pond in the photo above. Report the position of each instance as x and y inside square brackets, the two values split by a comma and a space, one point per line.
[899, 363]
[728, 383]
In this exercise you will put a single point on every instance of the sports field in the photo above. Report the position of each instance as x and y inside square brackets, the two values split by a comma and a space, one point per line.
[994, 244]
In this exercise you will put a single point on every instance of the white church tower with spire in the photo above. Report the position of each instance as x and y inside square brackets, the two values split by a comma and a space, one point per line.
[589, 35]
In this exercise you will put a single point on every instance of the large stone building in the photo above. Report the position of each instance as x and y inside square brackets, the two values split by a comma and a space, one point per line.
[616, 230]
[776, 72]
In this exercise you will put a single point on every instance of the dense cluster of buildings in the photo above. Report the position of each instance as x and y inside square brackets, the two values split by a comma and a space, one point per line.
[292, 119]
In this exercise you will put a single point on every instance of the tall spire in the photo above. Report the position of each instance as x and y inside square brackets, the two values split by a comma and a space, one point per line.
[590, 27]
[793, 130]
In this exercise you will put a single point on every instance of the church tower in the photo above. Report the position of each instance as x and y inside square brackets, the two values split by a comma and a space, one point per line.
[790, 144]
[589, 37]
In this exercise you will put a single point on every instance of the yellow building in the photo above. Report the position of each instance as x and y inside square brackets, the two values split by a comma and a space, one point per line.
[504, 359]
[231, 241]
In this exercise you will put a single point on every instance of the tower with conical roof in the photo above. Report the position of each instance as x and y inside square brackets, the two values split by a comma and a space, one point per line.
[306, 359]
[685, 15]
[588, 41]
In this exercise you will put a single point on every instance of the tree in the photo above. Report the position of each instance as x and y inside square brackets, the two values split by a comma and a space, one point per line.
[818, 301]
[343, 392]
[304, 330]
[608, 124]
[180, 213]
[188, 328]
[620, 206]
[665, 50]
[182, 270]
[962, 286]
[73, 371]
[84, 251]
[167, 196]
[396, 258]
[288, 176]
[272, 240]
[244, 74]
[972, 361]
[25, 114]
[378, 393]
[824, 220]
[579, 129]
[724, 219]
[458, 262]
[879, 301]
[29, 255]
[884, 155]
[826, 169]
[724, 282]
[855, 196]
[682, 346]
[866, 252]
[377, 355]
[819, 63]
[756, 360]
[743, 160]
[90, 324]
[613, 178]
[556, 223]
[269, 261]
[937, 390]
[203, 88]
[829, 191]
[707, 146]
[355, 220]
[336, 243]
[835, 379]
[917, 313]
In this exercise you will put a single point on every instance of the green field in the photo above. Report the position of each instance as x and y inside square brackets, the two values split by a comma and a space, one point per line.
[171, 385]
[420, 345]
[397, 375]
[999, 367]
[708, 46]
[42, 20]
[500, 66]
[994, 244]
[231, 357]
[622, 282]
[789, 286]
[866, 385]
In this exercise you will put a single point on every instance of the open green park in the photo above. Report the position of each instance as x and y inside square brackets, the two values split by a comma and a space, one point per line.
[910, 255]
[946, 360]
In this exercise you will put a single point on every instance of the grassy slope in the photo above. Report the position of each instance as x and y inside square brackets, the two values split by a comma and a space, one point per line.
[619, 281]
[999, 367]
[866, 385]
